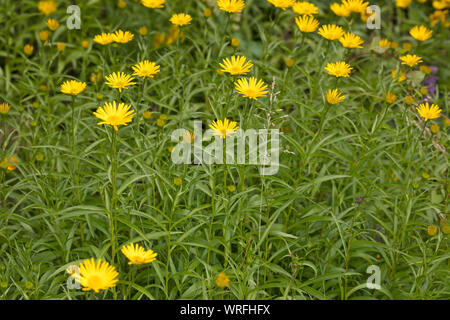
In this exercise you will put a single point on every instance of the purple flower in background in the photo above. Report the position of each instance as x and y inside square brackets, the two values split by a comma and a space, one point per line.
[432, 90]
[434, 69]
[359, 200]
[431, 80]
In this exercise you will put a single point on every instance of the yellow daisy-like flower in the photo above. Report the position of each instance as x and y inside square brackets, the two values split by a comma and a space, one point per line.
[307, 23]
[28, 49]
[384, 43]
[432, 230]
[143, 30]
[340, 10]
[421, 33]
[435, 128]
[409, 100]
[181, 19]
[138, 255]
[223, 129]
[236, 66]
[43, 35]
[9, 163]
[339, 69]
[334, 96]
[402, 3]
[146, 69]
[428, 112]
[282, 4]
[411, 60]
[115, 115]
[47, 7]
[104, 38]
[60, 46]
[96, 276]
[350, 40]
[331, 31]
[4, 108]
[251, 88]
[231, 6]
[153, 4]
[73, 87]
[222, 280]
[358, 6]
[122, 37]
[119, 80]
[390, 97]
[52, 24]
[305, 8]
[425, 69]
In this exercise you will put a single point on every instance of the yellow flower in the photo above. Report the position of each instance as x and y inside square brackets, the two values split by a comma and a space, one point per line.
[138, 255]
[425, 175]
[409, 100]
[282, 4]
[146, 69]
[47, 7]
[28, 49]
[85, 43]
[421, 33]
[73, 87]
[305, 8]
[411, 60]
[119, 80]
[340, 10]
[147, 114]
[237, 65]
[446, 122]
[384, 43]
[407, 46]
[43, 35]
[4, 108]
[9, 163]
[115, 115]
[207, 12]
[442, 4]
[154, 4]
[401, 76]
[307, 23]
[160, 122]
[428, 112]
[222, 280]
[188, 136]
[402, 3]
[355, 5]
[39, 157]
[121, 4]
[177, 181]
[52, 24]
[223, 129]
[350, 40]
[181, 19]
[122, 37]
[232, 188]
[143, 30]
[435, 128]
[334, 96]
[390, 97]
[96, 276]
[394, 45]
[289, 62]
[163, 116]
[339, 69]
[104, 38]
[235, 42]
[438, 16]
[331, 31]
[423, 90]
[251, 88]
[432, 230]
[159, 39]
[425, 69]
[231, 6]
[60, 46]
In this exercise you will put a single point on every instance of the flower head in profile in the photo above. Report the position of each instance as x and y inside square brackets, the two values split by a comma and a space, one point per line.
[358, 6]
[390, 97]
[339, 69]
[223, 128]
[52, 24]
[331, 31]
[47, 7]
[428, 112]
[251, 88]
[421, 33]
[340, 10]
[146, 69]
[104, 38]
[411, 60]
[305, 8]
[96, 276]
[307, 23]
[231, 6]
[222, 280]
[122, 37]
[402, 3]
[153, 4]
[4, 108]
[73, 87]
[385, 43]
[236, 66]
[9, 163]
[115, 115]
[28, 49]
[334, 96]
[282, 4]
[137, 254]
[350, 40]
[181, 19]
[119, 80]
